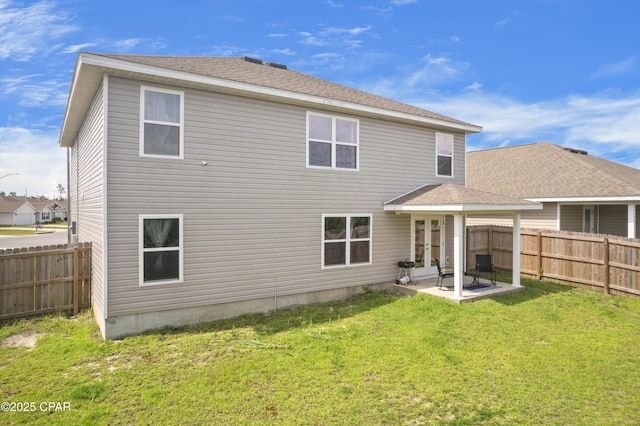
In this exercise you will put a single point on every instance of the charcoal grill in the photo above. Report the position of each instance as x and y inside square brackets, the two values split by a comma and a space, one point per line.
[405, 272]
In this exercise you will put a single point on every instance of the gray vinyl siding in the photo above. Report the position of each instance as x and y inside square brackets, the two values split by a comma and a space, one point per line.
[571, 218]
[87, 191]
[253, 215]
[638, 221]
[612, 220]
[534, 219]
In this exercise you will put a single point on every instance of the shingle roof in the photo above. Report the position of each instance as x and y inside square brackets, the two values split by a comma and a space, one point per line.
[241, 77]
[11, 204]
[263, 74]
[464, 198]
[546, 170]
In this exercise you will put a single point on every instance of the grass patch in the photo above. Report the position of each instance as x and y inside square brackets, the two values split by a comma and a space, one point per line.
[548, 355]
[17, 232]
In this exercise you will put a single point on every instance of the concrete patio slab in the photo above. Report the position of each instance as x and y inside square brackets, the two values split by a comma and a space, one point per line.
[429, 286]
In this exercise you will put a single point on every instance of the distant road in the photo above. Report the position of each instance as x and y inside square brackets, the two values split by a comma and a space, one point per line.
[50, 238]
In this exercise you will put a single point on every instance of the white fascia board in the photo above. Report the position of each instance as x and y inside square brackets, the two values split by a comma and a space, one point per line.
[463, 208]
[588, 200]
[122, 65]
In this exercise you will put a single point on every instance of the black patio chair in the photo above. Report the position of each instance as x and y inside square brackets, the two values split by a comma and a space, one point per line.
[442, 274]
[484, 265]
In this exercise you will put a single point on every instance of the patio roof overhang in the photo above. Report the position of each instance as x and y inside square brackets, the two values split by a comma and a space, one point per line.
[452, 198]
[458, 200]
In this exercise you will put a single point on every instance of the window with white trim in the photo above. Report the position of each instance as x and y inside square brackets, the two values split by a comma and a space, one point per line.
[346, 240]
[161, 122]
[444, 154]
[161, 249]
[332, 142]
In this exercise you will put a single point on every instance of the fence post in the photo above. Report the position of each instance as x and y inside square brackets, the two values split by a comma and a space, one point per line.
[490, 240]
[76, 281]
[606, 265]
[539, 254]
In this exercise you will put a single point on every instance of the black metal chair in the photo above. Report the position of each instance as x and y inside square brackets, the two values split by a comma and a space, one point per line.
[484, 265]
[442, 274]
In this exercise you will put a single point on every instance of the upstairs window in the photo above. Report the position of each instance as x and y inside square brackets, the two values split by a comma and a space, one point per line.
[161, 122]
[332, 142]
[444, 154]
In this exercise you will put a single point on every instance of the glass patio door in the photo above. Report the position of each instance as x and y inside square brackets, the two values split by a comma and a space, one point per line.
[427, 244]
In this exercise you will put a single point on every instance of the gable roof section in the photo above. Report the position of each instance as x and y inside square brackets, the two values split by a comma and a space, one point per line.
[11, 204]
[238, 76]
[545, 171]
[449, 197]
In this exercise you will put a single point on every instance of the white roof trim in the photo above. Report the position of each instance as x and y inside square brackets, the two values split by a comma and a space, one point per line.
[465, 208]
[86, 59]
[591, 200]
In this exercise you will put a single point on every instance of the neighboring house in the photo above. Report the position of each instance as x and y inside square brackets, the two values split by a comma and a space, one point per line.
[579, 192]
[16, 211]
[48, 210]
[216, 186]
[45, 210]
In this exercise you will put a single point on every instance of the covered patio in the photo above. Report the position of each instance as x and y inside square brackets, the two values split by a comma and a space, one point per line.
[469, 294]
[458, 201]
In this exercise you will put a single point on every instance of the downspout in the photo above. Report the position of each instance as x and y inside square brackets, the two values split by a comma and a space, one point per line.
[69, 195]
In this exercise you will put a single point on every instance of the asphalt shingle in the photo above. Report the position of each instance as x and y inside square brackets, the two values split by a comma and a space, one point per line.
[546, 170]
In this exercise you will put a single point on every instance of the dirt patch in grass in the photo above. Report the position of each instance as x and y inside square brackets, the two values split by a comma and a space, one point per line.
[27, 339]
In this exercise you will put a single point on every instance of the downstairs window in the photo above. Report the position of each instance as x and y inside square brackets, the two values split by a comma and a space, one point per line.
[161, 249]
[346, 240]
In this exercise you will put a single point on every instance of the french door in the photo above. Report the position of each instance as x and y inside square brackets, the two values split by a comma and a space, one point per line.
[427, 244]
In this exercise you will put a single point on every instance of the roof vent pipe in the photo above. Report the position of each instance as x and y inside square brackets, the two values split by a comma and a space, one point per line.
[576, 151]
[275, 65]
[252, 60]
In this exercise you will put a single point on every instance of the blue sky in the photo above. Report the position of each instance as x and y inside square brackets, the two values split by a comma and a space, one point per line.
[565, 71]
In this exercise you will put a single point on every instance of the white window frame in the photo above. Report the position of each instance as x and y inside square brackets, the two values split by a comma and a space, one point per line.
[438, 155]
[347, 240]
[334, 142]
[142, 250]
[143, 121]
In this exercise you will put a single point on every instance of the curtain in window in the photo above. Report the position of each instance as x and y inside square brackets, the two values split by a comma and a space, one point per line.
[161, 139]
[158, 230]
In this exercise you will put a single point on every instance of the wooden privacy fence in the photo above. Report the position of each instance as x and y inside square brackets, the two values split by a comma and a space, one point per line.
[603, 261]
[38, 280]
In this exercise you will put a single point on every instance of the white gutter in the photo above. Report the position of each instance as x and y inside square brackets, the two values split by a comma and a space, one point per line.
[466, 208]
[589, 200]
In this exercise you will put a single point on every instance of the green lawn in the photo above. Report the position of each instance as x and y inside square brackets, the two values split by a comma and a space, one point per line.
[17, 232]
[550, 355]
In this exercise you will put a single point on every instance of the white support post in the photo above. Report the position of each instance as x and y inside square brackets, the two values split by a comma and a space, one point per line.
[631, 220]
[458, 256]
[516, 249]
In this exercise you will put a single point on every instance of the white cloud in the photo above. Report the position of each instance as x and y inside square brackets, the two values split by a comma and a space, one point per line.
[349, 31]
[74, 48]
[603, 124]
[26, 31]
[38, 159]
[474, 87]
[34, 90]
[335, 36]
[402, 2]
[334, 4]
[127, 44]
[617, 68]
